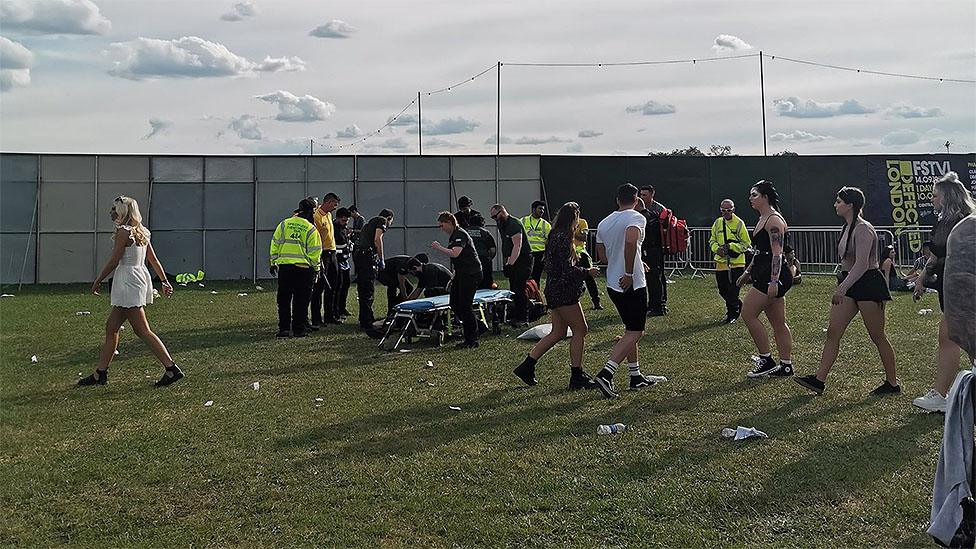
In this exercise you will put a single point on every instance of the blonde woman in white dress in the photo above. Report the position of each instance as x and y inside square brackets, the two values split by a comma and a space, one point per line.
[131, 291]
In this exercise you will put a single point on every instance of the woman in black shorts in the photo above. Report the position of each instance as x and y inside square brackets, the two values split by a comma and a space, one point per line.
[862, 287]
[771, 279]
[564, 287]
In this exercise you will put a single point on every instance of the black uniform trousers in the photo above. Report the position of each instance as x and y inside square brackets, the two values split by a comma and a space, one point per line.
[657, 286]
[538, 263]
[341, 292]
[517, 276]
[463, 288]
[323, 292]
[365, 262]
[486, 278]
[393, 295]
[729, 291]
[294, 291]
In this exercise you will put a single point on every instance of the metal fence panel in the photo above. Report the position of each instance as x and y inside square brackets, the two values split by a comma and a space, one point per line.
[376, 195]
[17, 200]
[177, 169]
[18, 167]
[380, 168]
[68, 169]
[428, 168]
[66, 257]
[277, 201]
[343, 189]
[123, 169]
[179, 251]
[229, 169]
[18, 257]
[228, 205]
[482, 193]
[418, 242]
[426, 200]
[229, 255]
[177, 206]
[269, 169]
[518, 167]
[517, 196]
[107, 192]
[68, 207]
[331, 168]
[474, 167]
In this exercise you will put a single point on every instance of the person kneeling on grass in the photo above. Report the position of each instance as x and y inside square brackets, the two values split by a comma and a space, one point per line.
[564, 287]
[131, 291]
[862, 287]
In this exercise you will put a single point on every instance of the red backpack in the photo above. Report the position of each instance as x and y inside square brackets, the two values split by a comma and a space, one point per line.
[674, 233]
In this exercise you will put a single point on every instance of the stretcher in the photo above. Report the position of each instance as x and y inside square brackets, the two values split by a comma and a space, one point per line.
[430, 319]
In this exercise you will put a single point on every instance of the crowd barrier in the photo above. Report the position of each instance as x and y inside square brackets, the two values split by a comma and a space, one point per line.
[815, 248]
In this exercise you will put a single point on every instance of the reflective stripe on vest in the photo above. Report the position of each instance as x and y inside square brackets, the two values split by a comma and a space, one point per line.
[537, 233]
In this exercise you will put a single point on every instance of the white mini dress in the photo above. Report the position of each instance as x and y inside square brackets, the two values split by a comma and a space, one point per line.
[132, 283]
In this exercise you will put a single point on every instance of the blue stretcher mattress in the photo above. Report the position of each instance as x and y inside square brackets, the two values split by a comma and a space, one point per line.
[428, 304]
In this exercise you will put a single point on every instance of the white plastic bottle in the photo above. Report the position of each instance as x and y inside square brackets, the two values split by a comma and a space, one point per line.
[616, 428]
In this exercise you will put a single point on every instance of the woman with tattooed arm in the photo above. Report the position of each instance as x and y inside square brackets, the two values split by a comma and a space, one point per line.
[771, 279]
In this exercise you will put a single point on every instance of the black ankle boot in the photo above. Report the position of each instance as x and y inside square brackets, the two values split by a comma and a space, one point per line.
[100, 377]
[169, 379]
[526, 371]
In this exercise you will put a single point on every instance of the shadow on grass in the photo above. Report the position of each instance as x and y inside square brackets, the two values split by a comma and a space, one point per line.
[652, 336]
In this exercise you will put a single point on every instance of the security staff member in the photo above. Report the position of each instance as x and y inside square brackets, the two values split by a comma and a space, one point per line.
[518, 261]
[343, 261]
[585, 261]
[465, 212]
[729, 242]
[433, 279]
[296, 250]
[467, 274]
[368, 256]
[653, 254]
[484, 244]
[537, 230]
[323, 292]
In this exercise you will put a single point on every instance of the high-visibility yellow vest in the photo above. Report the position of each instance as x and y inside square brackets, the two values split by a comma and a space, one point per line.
[734, 233]
[580, 238]
[537, 231]
[296, 242]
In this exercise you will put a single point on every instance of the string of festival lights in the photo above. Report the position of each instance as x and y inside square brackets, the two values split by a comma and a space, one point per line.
[692, 61]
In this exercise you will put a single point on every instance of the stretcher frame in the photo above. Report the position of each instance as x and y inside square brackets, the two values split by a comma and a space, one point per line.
[435, 323]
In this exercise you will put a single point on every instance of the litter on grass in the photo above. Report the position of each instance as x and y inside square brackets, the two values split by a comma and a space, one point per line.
[242, 295]
[256, 385]
[33, 359]
[201, 285]
[214, 292]
[116, 352]
[740, 433]
[258, 288]
[455, 408]
[7, 295]
[925, 311]
[208, 404]
[429, 364]
[83, 313]
[319, 399]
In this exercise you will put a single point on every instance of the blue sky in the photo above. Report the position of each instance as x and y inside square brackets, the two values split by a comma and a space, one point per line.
[261, 76]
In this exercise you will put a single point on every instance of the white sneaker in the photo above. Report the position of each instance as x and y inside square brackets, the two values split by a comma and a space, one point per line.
[931, 402]
[655, 379]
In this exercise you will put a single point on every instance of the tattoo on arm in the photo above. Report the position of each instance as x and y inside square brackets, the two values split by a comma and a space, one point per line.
[777, 265]
[776, 243]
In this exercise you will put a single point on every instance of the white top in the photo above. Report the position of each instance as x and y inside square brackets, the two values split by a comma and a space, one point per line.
[131, 281]
[612, 233]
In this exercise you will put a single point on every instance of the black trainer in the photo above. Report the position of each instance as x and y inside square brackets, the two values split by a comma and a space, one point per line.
[467, 345]
[100, 377]
[582, 380]
[605, 385]
[764, 366]
[812, 383]
[641, 382]
[597, 306]
[314, 327]
[887, 389]
[526, 373]
[783, 370]
[168, 379]
[283, 334]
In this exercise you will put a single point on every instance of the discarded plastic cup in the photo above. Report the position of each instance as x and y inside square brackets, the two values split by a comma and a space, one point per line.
[925, 311]
[256, 385]
[83, 313]
[34, 359]
[614, 429]
[208, 403]
[728, 432]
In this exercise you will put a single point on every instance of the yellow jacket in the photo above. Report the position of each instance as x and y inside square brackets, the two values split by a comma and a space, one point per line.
[296, 242]
[537, 231]
[579, 239]
[738, 241]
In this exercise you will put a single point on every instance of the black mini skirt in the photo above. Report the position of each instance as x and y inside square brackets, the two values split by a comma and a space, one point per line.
[870, 287]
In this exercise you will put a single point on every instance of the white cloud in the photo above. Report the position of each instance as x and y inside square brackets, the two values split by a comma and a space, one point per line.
[900, 137]
[904, 110]
[799, 136]
[575, 148]
[402, 120]
[292, 108]
[527, 140]
[333, 29]
[492, 141]
[349, 132]
[396, 143]
[241, 11]
[794, 107]
[726, 43]
[246, 127]
[294, 146]
[585, 134]
[15, 63]
[189, 57]
[652, 108]
[54, 17]
[447, 126]
[437, 143]
[158, 126]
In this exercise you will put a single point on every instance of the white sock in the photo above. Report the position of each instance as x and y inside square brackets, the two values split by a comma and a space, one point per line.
[611, 367]
[634, 368]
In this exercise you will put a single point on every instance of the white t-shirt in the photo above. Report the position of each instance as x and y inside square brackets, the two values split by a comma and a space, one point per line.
[612, 233]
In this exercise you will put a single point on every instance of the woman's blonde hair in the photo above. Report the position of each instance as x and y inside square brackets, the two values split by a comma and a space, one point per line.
[957, 203]
[128, 215]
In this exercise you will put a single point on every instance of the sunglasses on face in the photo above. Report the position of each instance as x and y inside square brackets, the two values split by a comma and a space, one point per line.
[495, 215]
[727, 210]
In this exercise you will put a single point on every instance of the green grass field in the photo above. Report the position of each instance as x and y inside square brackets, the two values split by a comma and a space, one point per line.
[382, 461]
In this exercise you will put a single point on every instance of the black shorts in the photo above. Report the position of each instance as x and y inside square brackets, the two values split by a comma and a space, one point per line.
[762, 272]
[632, 307]
[870, 287]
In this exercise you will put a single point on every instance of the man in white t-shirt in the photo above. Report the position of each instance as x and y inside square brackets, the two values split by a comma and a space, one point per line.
[618, 242]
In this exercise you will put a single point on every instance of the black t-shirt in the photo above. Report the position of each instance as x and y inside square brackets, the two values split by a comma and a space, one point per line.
[341, 240]
[464, 217]
[368, 232]
[433, 275]
[396, 265]
[508, 228]
[467, 262]
[483, 241]
[652, 232]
